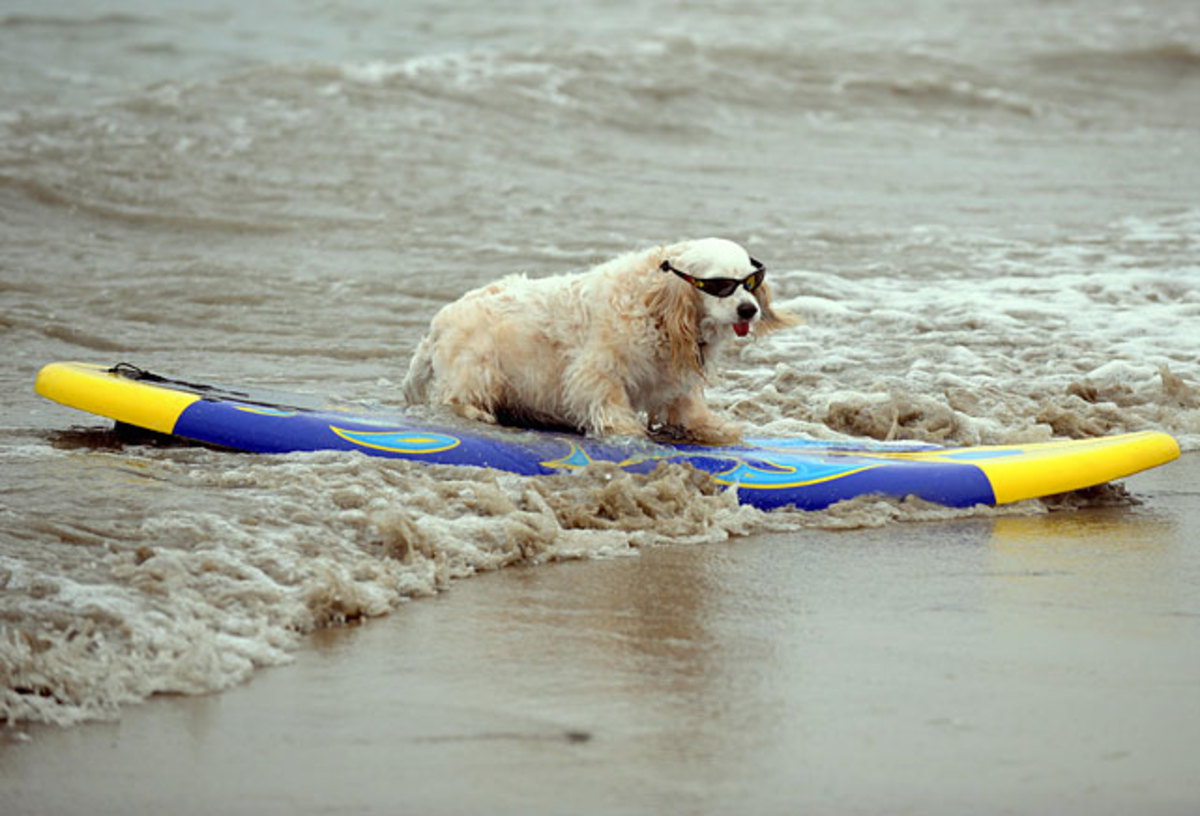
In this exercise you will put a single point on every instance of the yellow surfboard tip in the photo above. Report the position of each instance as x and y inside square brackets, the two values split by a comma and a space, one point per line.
[98, 390]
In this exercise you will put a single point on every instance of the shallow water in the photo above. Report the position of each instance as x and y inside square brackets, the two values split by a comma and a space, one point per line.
[986, 216]
[1039, 664]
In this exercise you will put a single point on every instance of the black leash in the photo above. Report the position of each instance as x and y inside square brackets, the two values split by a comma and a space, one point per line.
[215, 393]
[132, 372]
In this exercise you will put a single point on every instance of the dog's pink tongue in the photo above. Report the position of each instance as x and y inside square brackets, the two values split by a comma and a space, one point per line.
[741, 329]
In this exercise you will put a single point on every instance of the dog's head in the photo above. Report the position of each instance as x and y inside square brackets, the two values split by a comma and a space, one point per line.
[713, 291]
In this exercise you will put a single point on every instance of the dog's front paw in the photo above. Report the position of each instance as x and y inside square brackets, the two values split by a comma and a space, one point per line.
[630, 429]
[611, 424]
[722, 432]
[474, 413]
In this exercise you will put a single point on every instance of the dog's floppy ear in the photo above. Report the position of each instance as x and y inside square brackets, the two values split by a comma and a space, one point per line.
[676, 309]
[770, 319]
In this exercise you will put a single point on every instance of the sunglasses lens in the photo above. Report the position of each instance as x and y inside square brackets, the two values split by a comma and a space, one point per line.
[754, 281]
[721, 287]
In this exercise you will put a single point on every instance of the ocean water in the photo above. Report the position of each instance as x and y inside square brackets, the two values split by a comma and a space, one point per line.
[986, 215]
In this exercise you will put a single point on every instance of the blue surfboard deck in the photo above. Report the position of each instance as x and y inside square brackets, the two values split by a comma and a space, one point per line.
[766, 472]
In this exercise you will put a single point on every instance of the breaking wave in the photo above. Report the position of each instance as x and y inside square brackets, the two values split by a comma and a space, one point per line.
[184, 590]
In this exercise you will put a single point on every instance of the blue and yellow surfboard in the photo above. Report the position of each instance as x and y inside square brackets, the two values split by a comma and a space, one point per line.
[766, 472]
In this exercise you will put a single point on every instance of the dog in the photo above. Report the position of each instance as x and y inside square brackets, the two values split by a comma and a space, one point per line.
[622, 349]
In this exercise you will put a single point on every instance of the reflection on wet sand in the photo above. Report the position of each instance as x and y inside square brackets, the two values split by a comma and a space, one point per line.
[1105, 563]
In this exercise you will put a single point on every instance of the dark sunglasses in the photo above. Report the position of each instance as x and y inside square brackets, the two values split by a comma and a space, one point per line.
[722, 287]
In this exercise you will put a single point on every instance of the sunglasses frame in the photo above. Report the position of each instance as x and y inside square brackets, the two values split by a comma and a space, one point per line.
[722, 287]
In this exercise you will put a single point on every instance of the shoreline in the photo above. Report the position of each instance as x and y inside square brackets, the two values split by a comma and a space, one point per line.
[1039, 664]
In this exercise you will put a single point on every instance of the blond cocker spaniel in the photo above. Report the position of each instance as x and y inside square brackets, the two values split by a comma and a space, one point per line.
[618, 350]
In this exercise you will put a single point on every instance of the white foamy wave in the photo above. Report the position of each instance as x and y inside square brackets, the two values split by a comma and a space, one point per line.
[233, 558]
[481, 75]
[668, 74]
[193, 600]
[1078, 337]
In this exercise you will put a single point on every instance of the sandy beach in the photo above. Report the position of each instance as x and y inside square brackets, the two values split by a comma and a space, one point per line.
[1040, 664]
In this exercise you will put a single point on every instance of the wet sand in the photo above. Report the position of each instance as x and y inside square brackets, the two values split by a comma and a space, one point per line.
[1026, 664]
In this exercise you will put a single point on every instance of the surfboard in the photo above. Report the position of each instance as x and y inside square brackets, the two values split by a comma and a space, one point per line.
[766, 472]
